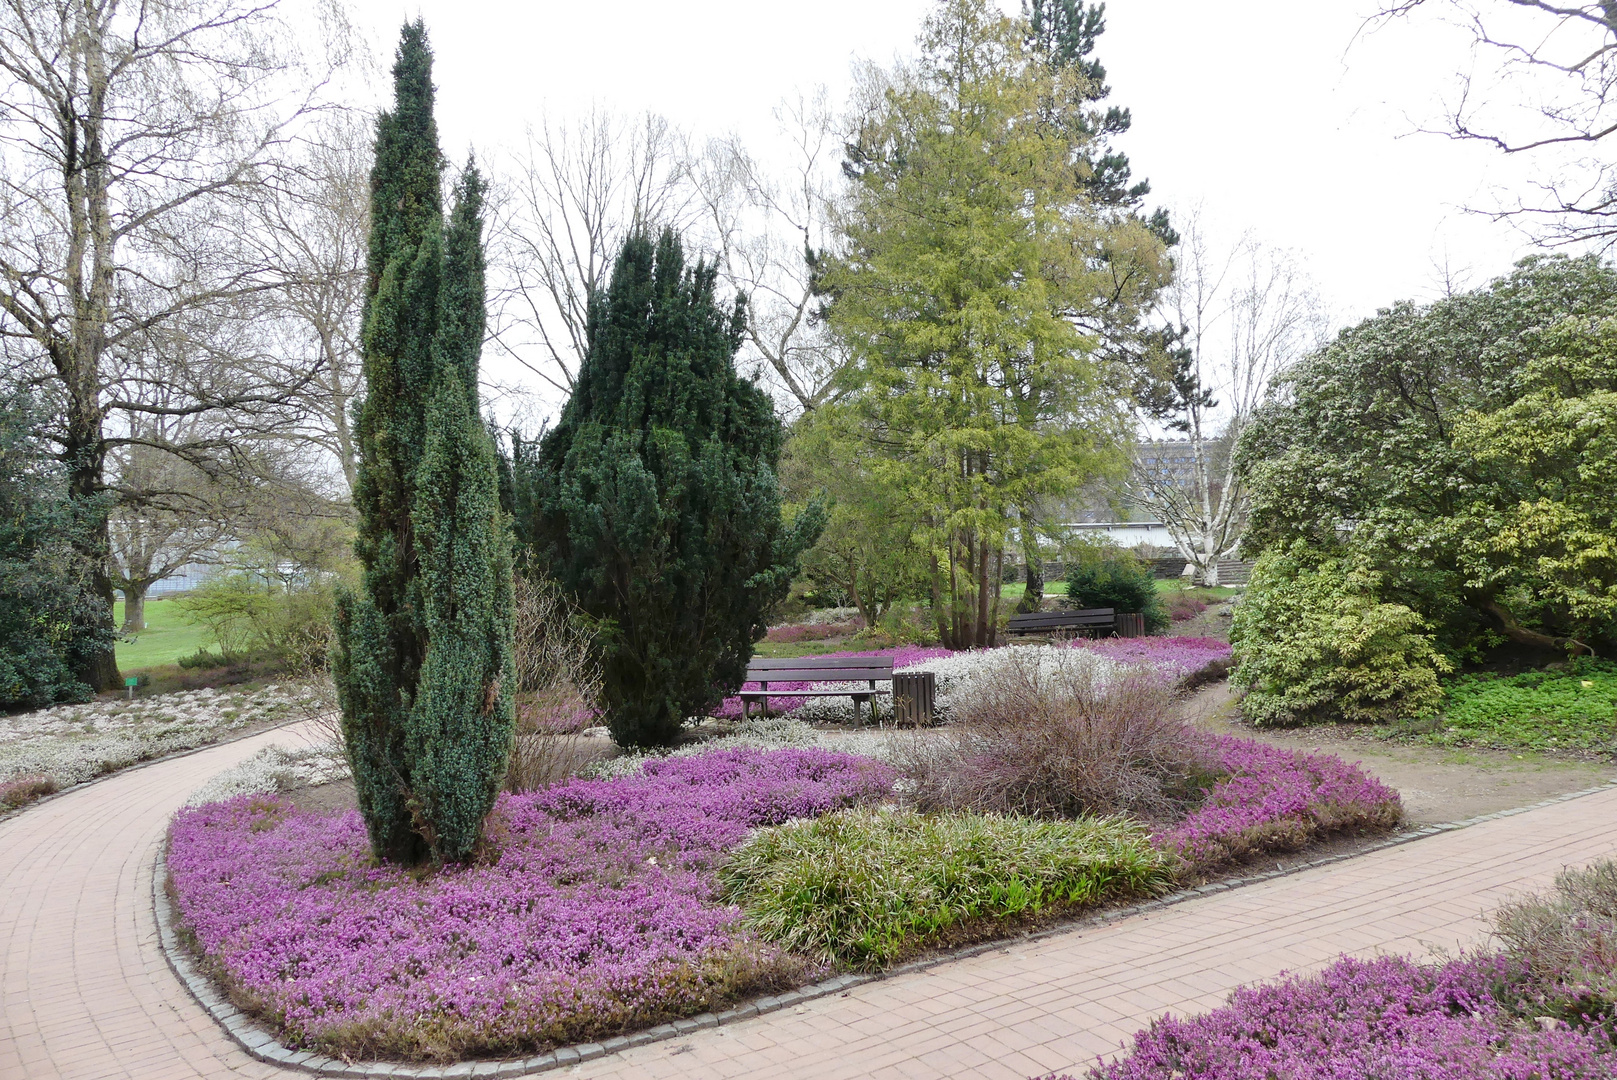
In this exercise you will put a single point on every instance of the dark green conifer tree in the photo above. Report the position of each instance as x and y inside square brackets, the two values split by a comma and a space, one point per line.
[654, 499]
[423, 650]
[1066, 32]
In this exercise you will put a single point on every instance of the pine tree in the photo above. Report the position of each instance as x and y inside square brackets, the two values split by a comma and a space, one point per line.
[654, 499]
[1065, 31]
[423, 650]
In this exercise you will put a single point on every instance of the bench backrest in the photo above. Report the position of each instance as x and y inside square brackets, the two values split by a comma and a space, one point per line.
[821, 669]
[1062, 620]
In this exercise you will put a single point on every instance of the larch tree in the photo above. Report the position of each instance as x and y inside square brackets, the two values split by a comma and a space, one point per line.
[422, 660]
[977, 267]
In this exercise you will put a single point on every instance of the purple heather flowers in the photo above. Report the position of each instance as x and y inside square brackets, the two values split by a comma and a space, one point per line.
[596, 910]
[1388, 1018]
[596, 913]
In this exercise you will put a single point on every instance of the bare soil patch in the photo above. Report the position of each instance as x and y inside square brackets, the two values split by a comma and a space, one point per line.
[1438, 784]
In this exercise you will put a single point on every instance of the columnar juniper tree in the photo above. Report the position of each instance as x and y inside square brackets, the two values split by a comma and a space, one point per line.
[423, 650]
[654, 499]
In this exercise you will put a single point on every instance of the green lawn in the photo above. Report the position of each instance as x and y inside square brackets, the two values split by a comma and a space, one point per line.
[1173, 585]
[1013, 590]
[169, 635]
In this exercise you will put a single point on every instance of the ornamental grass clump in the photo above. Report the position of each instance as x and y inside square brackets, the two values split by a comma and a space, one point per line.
[595, 913]
[870, 886]
[1056, 733]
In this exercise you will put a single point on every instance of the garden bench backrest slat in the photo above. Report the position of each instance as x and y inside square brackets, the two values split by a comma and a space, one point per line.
[829, 663]
[780, 675]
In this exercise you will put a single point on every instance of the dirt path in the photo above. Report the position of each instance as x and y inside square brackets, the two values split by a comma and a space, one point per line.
[1439, 784]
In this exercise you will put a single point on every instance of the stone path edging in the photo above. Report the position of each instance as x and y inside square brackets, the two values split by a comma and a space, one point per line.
[256, 1041]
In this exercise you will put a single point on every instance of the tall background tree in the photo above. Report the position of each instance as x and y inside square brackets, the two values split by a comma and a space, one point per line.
[568, 201]
[978, 278]
[654, 500]
[1539, 82]
[139, 143]
[1240, 314]
[423, 652]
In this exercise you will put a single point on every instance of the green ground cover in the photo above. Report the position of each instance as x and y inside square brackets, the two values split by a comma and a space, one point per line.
[1174, 585]
[170, 634]
[1574, 708]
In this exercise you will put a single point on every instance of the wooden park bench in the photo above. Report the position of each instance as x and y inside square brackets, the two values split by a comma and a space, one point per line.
[1097, 621]
[813, 669]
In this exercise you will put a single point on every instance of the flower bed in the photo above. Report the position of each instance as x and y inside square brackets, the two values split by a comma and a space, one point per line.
[1388, 1018]
[1273, 799]
[596, 915]
[1175, 656]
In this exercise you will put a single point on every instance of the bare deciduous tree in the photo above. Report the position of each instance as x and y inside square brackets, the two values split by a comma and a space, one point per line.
[768, 232]
[1241, 314]
[137, 142]
[317, 231]
[569, 200]
[1559, 63]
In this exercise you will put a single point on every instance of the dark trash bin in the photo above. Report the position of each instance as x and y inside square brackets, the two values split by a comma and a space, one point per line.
[915, 696]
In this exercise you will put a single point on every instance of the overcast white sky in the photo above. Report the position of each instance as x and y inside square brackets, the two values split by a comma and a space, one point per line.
[1275, 115]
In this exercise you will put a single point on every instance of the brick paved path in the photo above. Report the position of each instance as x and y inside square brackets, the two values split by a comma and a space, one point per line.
[84, 992]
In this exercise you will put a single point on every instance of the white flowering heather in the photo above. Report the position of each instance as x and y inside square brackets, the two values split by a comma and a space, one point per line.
[73, 743]
[275, 769]
[830, 616]
[766, 733]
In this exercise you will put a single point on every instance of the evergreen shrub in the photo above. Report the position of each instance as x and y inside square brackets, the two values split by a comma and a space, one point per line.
[422, 657]
[1313, 644]
[50, 617]
[654, 501]
[1112, 578]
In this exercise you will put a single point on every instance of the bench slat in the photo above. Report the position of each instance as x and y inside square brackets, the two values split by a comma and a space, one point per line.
[840, 675]
[755, 695]
[829, 663]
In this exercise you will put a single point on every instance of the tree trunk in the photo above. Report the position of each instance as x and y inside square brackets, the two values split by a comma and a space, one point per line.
[982, 633]
[92, 541]
[1033, 598]
[134, 607]
[1516, 632]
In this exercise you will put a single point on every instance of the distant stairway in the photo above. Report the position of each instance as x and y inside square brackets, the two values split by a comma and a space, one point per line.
[1234, 572]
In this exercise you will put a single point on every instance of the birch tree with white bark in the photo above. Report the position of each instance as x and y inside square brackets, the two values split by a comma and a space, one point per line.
[1238, 314]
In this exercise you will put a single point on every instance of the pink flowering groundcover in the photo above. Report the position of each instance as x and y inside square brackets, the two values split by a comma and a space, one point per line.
[595, 913]
[1387, 1018]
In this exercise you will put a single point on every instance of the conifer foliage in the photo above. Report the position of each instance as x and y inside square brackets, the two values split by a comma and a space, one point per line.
[654, 499]
[423, 651]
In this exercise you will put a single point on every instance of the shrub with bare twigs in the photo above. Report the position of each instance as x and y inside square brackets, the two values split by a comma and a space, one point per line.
[1045, 735]
[557, 687]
